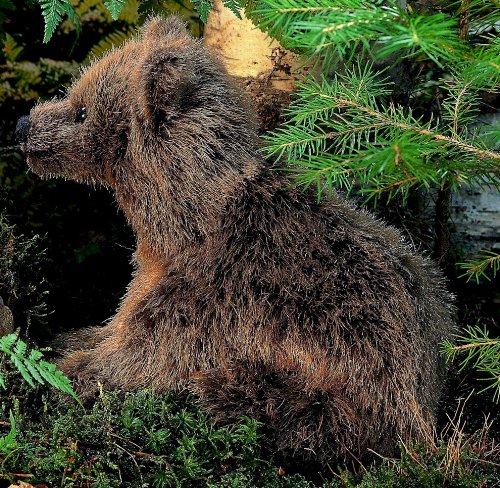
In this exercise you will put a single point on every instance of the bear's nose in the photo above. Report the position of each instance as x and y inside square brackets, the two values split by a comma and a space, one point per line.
[22, 128]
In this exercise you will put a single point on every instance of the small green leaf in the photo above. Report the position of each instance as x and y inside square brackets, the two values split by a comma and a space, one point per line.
[203, 8]
[115, 7]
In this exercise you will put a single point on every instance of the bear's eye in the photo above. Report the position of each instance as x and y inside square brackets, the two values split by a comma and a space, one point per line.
[81, 114]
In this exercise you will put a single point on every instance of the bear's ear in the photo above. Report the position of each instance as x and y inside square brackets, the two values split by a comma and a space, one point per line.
[158, 29]
[164, 76]
[165, 83]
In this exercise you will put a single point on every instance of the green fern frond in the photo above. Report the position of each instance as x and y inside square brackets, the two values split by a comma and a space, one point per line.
[115, 7]
[203, 8]
[234, 5]
[11, 49]
[53, 11]
[32, 367]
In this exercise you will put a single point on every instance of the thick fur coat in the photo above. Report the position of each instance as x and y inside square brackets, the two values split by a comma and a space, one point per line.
[315, 318]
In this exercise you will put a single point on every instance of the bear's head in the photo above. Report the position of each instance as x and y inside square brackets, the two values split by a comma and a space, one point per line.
[159, 121]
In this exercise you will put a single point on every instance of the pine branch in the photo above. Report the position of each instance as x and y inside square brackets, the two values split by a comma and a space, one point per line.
[483, 14]
[477, 268]
[342, 30]
[345, 125]
[481, 352]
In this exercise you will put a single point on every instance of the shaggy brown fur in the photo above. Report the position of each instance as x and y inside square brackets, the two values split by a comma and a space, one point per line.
[316, 319]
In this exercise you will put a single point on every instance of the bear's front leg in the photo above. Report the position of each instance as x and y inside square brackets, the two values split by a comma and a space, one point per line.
[122, 354]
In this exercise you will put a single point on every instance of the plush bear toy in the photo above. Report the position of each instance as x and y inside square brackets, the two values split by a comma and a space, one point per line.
[315, 318]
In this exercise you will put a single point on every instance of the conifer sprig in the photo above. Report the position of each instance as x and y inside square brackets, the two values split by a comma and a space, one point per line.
[481, 352]
[344, 131]
[340, 29]
[483, 14]
[480, 267]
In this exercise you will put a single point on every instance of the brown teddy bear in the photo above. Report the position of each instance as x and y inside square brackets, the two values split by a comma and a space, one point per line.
[315, 318]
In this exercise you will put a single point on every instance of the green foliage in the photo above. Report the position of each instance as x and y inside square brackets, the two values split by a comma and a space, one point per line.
[31, 366]
[483, 13]
[8, 443]
[478, 268]
[203, 7]
[481, 352]
[455, 461]
[345, 131]
[136, 439]
[53, 12]
[115, 7]
[350, 129]
[345, 28]
[26, 80]
[114, 39]
[21, 286]
[146, 439]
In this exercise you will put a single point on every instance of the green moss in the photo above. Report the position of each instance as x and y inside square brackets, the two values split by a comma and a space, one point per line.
[144, 439]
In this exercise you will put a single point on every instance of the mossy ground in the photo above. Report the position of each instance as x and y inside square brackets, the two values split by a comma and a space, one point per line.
[143, 439]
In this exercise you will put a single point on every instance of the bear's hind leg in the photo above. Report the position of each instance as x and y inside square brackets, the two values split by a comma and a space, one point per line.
[299, 422]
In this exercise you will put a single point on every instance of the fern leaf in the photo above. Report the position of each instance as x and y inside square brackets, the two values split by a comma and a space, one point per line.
[115, 7]
[34, 372]
[32, 367]
[10, 48]
[35, 355]
[53, 12]
[20, 348]
[203, 8]
[233, 5]
[7, 341]
[9, 442]
[72, 15]
[23, 370]
[56, 378]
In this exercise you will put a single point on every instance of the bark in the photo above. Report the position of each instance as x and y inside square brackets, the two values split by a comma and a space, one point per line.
[265, 70]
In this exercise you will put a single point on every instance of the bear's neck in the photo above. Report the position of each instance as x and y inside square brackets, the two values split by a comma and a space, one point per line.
[170, 214]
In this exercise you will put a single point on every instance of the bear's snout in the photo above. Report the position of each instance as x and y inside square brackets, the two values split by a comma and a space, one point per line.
[22, 129]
